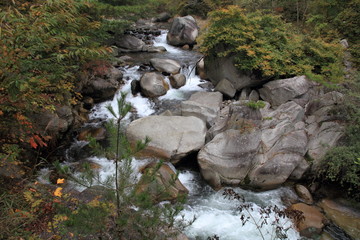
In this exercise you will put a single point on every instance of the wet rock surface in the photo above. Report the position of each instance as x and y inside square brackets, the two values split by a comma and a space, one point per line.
[343, 215]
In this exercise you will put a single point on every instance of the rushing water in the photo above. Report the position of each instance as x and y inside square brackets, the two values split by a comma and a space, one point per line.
[214, 214]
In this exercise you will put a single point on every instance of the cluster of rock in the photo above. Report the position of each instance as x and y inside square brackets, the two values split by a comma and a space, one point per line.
[154, 84]
[183, 31]
[244, 144]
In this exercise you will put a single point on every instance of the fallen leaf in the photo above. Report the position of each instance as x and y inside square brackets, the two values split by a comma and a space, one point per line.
[58, 192]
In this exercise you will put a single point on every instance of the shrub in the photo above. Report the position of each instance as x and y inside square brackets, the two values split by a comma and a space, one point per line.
[255, 105]
[264, 44]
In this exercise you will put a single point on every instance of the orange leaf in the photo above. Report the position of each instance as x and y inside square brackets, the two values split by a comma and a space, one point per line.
[58, 192]
[60, 181]
[40, 141]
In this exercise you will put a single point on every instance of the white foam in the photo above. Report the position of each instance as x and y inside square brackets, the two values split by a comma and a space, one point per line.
[142, 105]
[106, 173]
[216, 215]
[160, 41]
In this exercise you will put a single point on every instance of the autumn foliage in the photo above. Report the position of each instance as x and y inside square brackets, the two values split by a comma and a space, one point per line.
[264, 44]
[43, 46]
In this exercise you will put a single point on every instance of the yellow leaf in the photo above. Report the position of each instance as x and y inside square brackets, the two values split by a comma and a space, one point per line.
[58, 192]
[60, 181]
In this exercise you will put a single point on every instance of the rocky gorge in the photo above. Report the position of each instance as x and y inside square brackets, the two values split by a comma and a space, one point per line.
[237, 130]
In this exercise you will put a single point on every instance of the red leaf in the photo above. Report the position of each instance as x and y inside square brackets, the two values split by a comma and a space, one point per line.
[40, 141]
[33, 143]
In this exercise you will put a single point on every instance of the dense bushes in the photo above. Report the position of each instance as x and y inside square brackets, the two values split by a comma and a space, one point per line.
[201, 7]
[264, 43]
[43, 46]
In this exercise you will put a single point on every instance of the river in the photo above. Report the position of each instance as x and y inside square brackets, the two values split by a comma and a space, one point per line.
[214, 214]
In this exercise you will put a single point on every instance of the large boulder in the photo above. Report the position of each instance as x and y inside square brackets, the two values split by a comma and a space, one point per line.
[222, 161]
[278, 164]
[183, 30]
[153, 85]
[128, 43]
[280, 91]
[278, 144]
[218, 68]
[172, 137]
[161, 183]
[284, 144]
[101, 86]
[165, 65]
[204, 105]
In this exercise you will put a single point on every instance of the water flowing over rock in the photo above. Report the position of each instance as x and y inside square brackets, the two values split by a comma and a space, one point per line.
[172, 137]
[183, 30]
[280, 91]
[165, 65]
[153, 85]
[204, 105]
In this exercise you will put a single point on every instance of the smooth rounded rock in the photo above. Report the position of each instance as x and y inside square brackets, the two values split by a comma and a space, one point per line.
[177, 80]
[183, 30]
[165, 65]
[304, 193]
[153, 85]
[172, 137]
